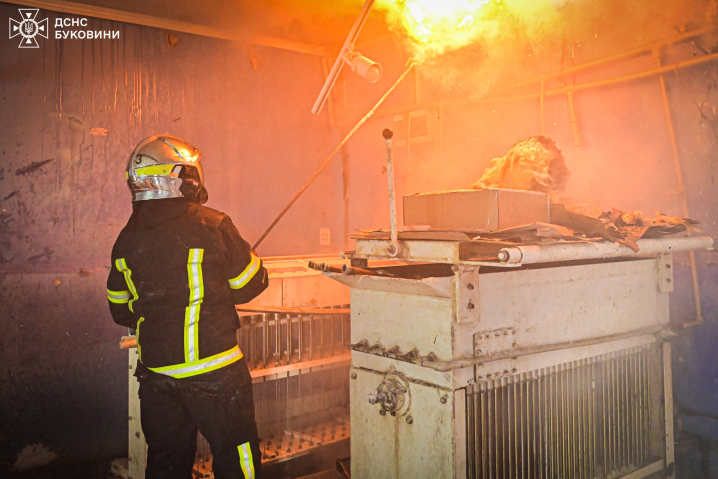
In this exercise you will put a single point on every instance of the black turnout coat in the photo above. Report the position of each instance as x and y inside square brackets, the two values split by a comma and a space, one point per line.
[178, 269]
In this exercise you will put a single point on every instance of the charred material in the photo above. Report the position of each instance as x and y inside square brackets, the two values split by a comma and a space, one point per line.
[535, 164]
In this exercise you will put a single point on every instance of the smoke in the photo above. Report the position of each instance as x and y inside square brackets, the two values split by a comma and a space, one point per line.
[559, 4]
[473, 45]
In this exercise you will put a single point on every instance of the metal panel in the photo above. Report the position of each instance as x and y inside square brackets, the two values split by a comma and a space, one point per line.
[507, 311]
[583, 419]
[668, 403]
[435, 287]
[567, 373]
[410, 446]
[460, 428]
[530, 362]
[409, 321]
[552, 305]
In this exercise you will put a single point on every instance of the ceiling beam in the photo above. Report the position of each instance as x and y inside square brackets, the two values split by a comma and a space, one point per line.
[167, 24]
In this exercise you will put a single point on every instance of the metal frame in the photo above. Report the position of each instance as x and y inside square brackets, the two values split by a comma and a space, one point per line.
[442, 335]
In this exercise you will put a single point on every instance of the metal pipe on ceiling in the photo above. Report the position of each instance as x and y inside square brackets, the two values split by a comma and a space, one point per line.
[646, 49]
[563, 90]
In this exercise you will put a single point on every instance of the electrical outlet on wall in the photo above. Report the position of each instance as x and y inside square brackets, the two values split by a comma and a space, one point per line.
[325, 236]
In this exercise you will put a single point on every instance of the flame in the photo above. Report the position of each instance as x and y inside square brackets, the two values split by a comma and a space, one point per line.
[435, 26]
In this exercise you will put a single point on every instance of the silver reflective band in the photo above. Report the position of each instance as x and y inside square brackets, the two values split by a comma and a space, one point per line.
[196, 296]
[118, 297]
[246, 275]
[246, 461]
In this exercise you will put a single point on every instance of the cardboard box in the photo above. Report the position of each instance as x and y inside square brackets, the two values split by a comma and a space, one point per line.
[488, 209]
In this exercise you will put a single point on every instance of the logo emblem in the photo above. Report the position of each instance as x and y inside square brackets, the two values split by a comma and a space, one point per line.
[28, 28]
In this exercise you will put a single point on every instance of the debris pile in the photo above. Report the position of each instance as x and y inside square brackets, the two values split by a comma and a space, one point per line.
[534, 164]
[627, 228]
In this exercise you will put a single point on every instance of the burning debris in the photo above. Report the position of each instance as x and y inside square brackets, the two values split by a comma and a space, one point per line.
[534, 164]
[626, 228]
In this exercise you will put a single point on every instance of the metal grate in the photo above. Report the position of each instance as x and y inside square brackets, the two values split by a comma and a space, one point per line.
[583, 419]
[300, 408]
[264, 338]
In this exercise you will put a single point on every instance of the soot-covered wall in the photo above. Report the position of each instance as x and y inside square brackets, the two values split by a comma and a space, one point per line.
[71, 111]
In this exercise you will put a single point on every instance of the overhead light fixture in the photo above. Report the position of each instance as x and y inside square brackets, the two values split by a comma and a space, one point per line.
[360, 64]
[363, 67]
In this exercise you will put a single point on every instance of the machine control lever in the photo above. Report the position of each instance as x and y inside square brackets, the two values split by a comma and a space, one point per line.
[380, 398]
[394, 248]
[392, 395]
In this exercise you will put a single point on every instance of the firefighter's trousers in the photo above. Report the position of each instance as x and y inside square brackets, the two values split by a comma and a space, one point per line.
[171, 417]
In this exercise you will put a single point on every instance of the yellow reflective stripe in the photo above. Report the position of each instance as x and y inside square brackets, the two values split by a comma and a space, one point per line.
[121, 265]
[246, 461]
[137, 338]
[118, 293]
[118, 297]
[196, 296]
[117, 301]
[155, 170]
[202, 366]
[246, 275]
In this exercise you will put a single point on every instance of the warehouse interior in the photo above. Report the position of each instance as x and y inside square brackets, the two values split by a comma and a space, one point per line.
[627, 90]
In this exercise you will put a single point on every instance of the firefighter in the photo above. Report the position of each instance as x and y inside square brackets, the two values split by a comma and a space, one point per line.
[178, 269]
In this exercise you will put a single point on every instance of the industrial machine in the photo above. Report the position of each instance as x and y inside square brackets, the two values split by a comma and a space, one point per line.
[294, 337]
[552, 361]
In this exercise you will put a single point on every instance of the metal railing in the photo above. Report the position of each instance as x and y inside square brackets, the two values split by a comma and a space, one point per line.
[274, 339]
[299, 359]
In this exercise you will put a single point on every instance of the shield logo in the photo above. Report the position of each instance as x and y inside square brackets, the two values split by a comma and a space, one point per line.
[28, 28]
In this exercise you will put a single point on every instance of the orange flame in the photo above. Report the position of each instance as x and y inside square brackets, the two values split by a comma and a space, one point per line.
[435, 26]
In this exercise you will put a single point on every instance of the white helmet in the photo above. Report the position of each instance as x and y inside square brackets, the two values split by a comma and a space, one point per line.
[164, 166]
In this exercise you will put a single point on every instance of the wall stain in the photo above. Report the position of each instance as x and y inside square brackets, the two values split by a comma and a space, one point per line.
[47, 254]
[34, 166]
[32, 456]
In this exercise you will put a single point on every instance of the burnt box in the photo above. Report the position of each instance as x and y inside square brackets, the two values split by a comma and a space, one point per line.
[488, 209]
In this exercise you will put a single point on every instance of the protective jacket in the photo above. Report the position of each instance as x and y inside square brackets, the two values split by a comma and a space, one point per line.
[178, 269]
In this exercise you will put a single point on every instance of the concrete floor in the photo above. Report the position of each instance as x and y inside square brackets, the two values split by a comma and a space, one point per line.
[91, 470]
[695, 459]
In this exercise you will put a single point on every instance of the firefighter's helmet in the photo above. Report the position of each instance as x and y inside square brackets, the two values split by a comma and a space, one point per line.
[164, 166]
